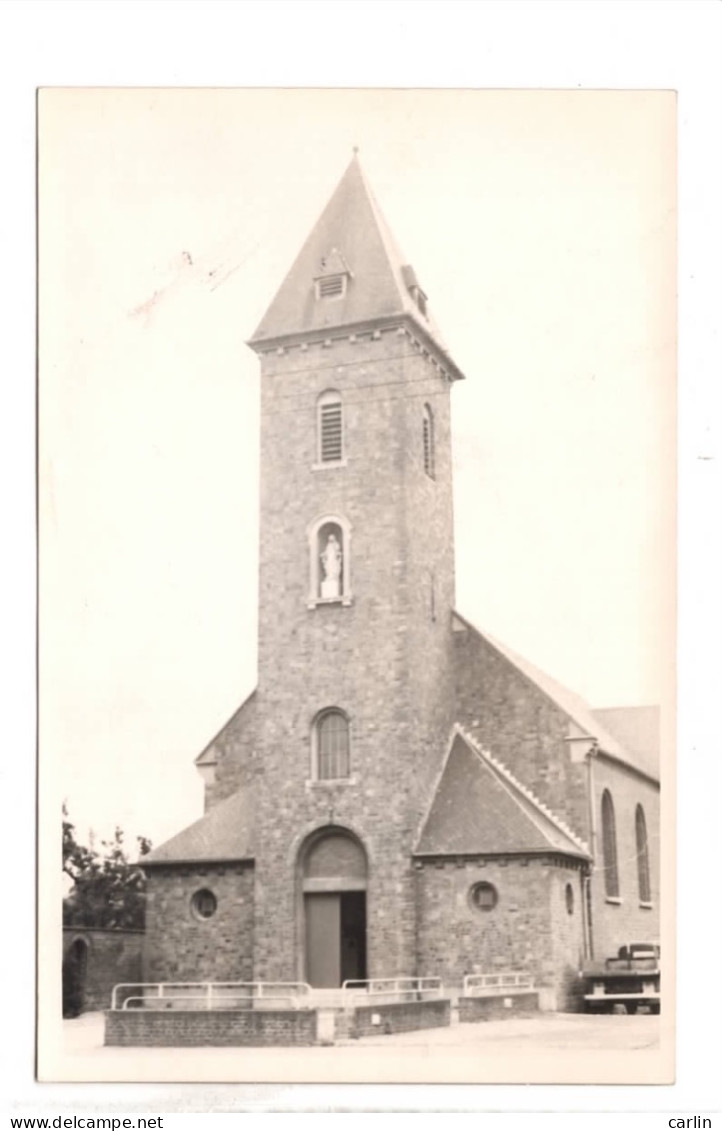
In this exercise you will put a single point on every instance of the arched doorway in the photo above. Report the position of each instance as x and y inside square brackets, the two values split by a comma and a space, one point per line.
[333, 870]
[75, 969]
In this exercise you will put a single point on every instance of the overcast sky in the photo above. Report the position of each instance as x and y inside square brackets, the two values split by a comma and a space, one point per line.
[541, 226]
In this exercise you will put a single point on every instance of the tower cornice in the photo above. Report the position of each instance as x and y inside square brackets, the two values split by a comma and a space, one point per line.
[403, 324]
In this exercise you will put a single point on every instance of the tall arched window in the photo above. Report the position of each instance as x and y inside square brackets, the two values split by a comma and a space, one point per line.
[640, 832]
[331, 745]
[329, 428]
[609, 847]
[329, 545]
[428, 439]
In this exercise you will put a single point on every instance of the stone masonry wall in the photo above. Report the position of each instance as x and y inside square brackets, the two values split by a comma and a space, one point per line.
[521, 933]
[521, 726]
[626, 919]
[566, 900]
[179, 946]
[383, 659]
[112, 956]
[233, 748]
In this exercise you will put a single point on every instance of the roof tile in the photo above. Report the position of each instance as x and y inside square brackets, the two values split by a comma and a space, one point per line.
[226, 832]
[479, 809]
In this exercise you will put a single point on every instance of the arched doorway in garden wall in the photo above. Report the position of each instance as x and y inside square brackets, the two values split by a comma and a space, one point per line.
[75, 972]
[333, 879]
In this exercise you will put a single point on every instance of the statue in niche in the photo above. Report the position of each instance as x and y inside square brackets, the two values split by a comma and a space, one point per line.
[331, 560]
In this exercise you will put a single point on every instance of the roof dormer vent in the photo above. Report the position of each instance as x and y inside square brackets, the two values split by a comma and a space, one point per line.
[412, 286]
[333, 275]
[331, 286]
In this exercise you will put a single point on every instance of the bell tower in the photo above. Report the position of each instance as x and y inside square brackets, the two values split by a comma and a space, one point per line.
[356, 587]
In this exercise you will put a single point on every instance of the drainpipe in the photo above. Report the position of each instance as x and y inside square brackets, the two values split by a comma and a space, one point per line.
[591, 754]
[587, 754]
[586, 909]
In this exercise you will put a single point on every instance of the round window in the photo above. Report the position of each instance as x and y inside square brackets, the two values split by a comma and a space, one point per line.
[483, 896]
[204, 904]
[569, 899]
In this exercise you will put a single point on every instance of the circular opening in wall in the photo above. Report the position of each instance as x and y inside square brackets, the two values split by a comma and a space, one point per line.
[569, 899]
[204, 904]
[483, 896]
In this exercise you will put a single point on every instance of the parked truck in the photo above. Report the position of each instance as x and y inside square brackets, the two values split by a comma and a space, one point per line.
[625, 983]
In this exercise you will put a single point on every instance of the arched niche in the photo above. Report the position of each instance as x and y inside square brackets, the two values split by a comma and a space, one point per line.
[329, 548]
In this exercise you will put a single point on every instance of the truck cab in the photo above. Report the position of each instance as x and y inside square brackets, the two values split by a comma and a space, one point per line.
[624, 983]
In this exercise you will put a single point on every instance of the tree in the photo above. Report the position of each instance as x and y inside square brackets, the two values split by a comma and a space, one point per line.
[108, 889]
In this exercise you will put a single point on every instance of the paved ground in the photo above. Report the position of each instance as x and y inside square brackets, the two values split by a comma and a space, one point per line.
[548, 1048]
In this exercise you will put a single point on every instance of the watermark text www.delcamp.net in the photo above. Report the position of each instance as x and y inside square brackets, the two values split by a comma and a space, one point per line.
[89, 1122]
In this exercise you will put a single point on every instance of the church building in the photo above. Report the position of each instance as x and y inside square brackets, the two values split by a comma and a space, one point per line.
[401, 794]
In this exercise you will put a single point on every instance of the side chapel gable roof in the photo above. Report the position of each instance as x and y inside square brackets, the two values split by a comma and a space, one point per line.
[480, 808]
[226, 832]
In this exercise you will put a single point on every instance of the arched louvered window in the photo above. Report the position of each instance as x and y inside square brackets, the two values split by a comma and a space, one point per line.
[609, 847]
[428, 441]
[331, 745]
[640, 832]
[330, 427]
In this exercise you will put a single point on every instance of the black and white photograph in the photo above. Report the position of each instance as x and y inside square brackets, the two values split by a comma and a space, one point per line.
[357, 522]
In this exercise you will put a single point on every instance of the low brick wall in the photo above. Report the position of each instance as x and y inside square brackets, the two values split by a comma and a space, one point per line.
[195, 1028]
[105, 958]
[493, 1008]
[401, 1017]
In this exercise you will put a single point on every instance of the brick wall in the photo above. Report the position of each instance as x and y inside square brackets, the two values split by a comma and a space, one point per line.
[615, 924]
[112, 956]
[400, 1017]
[383, 659]
[224, 1028]
[179, 946]
[520, 726]
[526, 931]
[497, 1008]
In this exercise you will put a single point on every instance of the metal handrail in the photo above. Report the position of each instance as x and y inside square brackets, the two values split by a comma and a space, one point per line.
[160, 1005]
[401, 988]
[208, 992]
[500, 982]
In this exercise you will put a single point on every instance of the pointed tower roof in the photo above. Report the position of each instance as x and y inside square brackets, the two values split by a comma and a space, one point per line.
[349, 272]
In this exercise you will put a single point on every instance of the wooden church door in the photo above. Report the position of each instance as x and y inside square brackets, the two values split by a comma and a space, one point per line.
[334, 905]
[323, 934]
